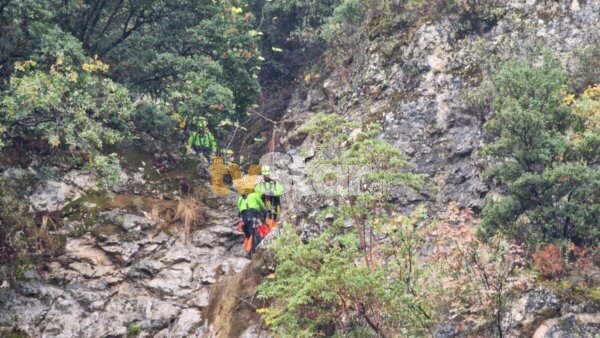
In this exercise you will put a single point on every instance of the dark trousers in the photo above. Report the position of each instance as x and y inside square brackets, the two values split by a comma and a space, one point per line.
[204, 151]
[250, 218]
[251, 222]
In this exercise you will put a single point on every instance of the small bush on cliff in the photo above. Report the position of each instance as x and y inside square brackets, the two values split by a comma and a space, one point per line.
[546, 157]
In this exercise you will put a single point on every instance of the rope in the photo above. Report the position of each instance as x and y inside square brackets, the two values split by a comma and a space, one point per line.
[232, 137]
[271, 143]
[271, 148]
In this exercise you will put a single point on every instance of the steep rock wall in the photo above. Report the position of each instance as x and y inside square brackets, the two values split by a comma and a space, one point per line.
[415, 80]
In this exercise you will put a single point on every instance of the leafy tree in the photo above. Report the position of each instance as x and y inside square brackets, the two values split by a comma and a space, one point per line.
[155, 45]
[374, 168]
[68, 105]
[321, 288]
[545, 158]
[366, 273]
[23, 24]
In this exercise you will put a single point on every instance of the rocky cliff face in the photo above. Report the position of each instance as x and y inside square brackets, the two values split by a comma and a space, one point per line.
[125, 269]
[426, 84]
[122, 274]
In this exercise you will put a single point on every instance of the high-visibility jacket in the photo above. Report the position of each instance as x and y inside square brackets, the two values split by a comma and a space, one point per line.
[203, 139]
[251, 202]
[271, 188]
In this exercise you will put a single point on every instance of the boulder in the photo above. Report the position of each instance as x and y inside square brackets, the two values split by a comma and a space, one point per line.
[188, 321]
[53, 195]
[570, 325]
[529, 311]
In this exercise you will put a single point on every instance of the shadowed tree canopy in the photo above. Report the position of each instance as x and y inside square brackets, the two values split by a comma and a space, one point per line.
[153, 45]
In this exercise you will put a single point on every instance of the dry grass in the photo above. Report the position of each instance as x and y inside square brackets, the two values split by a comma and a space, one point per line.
[191, 213]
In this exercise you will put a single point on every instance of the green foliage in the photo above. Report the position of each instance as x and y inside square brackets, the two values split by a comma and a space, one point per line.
[156, 45]
[108, 169]
[9, 214]
[346, 19]
[545, 157]
[156, 118]
[348, 271]
[586, 70]
[202, 92]
[314, 13]
[23, 24]
[176, 59]
[133, 329]
[67, 104]
[13, 334]
[321, 285]
[16, 225]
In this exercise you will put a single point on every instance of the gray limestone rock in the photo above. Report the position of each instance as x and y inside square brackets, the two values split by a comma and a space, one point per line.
[53, 195]
[529, 311]
[582, 325]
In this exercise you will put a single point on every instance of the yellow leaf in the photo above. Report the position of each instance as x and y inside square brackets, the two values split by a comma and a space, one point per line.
[569, 99]
[22, 66]
[263, 310]
[73, 77]
[54, 141]
[236, 10]
[307, 78]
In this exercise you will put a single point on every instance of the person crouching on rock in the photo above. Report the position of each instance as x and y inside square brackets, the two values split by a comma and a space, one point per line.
[251, 208]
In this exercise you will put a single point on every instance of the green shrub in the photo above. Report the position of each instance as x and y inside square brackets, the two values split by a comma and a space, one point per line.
[544, 157]
[16, 226]
[344, 22]
[133, 329]
[68, 105]
[157, 120]
[375, 285]
[323, 286]
[586, 68]
[108, 169]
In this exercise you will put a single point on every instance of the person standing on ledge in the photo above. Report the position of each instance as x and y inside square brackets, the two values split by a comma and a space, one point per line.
[202, 140]
[250, 208]
[270, 191]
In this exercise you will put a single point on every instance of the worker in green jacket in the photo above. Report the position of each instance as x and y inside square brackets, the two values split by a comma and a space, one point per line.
[251, 209]
[202, 140]
[270, 191]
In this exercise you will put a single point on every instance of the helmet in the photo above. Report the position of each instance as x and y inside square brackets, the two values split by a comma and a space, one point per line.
[201, 122]
[265, 170]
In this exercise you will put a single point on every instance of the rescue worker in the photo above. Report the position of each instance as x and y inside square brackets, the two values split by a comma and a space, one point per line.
[251, 209]
[270, 191]
[202, 140]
